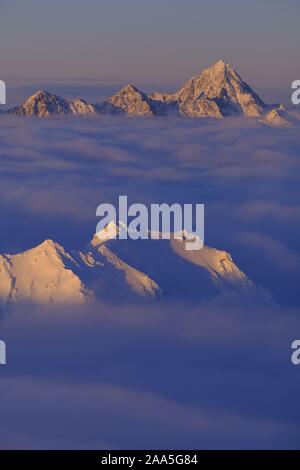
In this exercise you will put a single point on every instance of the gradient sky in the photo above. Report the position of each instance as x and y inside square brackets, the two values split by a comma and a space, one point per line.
[157, 41]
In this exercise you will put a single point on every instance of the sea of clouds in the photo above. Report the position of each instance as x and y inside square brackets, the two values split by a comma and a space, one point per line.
[158, 375]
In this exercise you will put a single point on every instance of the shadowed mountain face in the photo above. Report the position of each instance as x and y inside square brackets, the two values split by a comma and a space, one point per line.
[217, 92]
[122, 269]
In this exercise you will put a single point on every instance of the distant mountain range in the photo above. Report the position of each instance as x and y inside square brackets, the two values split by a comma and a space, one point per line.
[116, 270]
[217, 92]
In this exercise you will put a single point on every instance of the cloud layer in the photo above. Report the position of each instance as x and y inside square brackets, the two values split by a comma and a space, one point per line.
[55, 172]
[170, 375]
[149, 377]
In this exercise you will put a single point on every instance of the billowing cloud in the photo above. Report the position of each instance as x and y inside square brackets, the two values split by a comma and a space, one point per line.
[165, 375]
[159, 376]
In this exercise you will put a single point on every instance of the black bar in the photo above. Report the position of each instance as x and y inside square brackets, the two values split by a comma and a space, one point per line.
[136, 459]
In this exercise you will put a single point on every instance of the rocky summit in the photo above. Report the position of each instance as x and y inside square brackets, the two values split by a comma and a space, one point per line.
[217, 92]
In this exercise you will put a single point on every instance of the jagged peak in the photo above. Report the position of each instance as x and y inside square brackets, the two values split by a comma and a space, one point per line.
[42, 104]
[79, 100]
[219, 68]
[129, 89]
[220, 65]
[48, 245]
[218, 91]
[48, 273]
[41, 94]
[49, 242]
[110, 231]
[276, 118]
[132, 101]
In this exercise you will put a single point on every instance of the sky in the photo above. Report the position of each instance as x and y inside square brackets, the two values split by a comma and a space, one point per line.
[158, 42]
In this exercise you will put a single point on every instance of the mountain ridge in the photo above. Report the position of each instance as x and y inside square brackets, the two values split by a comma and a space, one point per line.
[116, 270]
[217, 92]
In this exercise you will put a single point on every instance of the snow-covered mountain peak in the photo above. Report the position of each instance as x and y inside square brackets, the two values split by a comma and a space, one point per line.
[130, 89]
[42, 104]
[40, 94]
[49, 244]
[277, 118]
[110, 231]
[217, 262]
[219, 67]
[80, 106]
[217, 92]
[122, 269]
[42, 274]
[132, 101]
